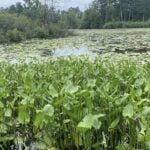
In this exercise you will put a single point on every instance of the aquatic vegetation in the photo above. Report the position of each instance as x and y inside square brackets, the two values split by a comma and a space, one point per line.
[73, 103]
[97, 98]
[133, 43]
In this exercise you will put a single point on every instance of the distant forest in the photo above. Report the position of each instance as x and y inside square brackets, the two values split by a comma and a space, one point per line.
[34, 19]
[102, 12]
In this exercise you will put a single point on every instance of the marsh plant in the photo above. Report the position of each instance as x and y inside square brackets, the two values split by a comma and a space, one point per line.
[87, 105]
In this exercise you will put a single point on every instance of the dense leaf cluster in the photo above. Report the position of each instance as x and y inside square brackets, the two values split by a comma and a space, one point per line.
[96, 104]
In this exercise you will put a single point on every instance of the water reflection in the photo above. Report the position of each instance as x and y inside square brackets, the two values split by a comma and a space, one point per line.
[68, 52]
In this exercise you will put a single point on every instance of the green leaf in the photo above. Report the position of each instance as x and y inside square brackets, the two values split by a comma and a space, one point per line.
[139, 82]
[1, 105]
[128, 111]
[70, 88]
[3, 128]
[66, 121]
[143, 128]
[41, 145]
[53, 91]
[147, 138]
[18, 140]
[147, 87]
[114, 124]
[87, 122]
[23, 117]
[27, 81]
[89, 103]
[140, 137]
[124, 147]
[39, 119]
[139, 91]
[90, 121]
[8, 112]
[96, 124]
[5, 139]
[27, 100]
[48, 110]
[146, 110]
[143, 101]
[91, 83]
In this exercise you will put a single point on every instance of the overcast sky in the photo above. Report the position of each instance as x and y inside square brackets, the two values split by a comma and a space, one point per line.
[63, 3]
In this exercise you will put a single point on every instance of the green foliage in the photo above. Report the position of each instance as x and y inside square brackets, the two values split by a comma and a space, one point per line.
[55, 30]
[10, 21]
[118, 24]
[40, 32]
[90, 121]
[14, 35]
[2, 39]
[39, 20]
[113, 25]
[31, 20]
[86, 105]
[71, 18]
[91, 19]
[117, 14]
[14, 28]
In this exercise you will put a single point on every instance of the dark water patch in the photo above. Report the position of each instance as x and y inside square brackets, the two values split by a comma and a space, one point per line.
[132, 50]
[100, 51]
[47, 53]
[84, 51]
[119, 51]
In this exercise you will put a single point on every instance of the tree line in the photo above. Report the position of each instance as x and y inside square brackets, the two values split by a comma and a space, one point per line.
[34, 19]
[112, 14]
[104, 12]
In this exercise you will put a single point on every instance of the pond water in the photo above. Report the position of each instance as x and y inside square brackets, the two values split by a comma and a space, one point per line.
[127, 43]
[56, 53]
[68, 52]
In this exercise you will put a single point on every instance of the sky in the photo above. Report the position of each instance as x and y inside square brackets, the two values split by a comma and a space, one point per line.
[64, 4]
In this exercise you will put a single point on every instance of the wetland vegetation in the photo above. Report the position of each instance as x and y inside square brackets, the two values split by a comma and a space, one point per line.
[89, 90]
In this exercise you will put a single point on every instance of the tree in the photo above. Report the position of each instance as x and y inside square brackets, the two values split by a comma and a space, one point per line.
[72, 18]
